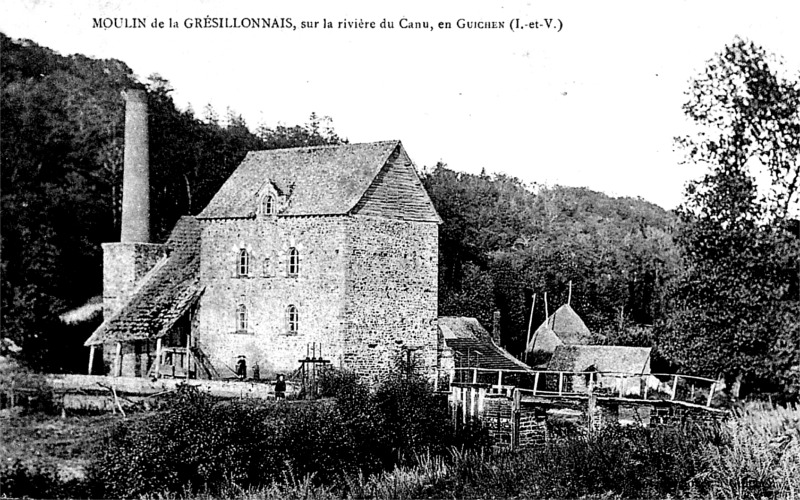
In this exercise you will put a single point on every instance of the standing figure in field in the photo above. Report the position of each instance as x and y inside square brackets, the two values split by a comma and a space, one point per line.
[280, 388]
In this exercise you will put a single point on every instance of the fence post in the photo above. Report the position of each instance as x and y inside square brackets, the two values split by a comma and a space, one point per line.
[560, 382]
[674, 388]
[711, 394]
[500, 377]
[515, 418]
[464, 404]
[591, 411]
[535, 382]
[474, 375]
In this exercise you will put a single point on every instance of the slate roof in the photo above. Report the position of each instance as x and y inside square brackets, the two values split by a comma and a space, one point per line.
[602, 358]
[165, 294]
[562, 327]
[322, 180]
[466, 337]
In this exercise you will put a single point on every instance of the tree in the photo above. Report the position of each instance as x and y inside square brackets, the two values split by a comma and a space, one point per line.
[501, 241]
[735, 311]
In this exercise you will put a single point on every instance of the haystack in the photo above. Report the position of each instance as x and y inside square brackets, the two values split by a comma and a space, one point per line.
[563, 327]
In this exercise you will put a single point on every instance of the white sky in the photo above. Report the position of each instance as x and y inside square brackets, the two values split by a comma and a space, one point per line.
[595, 105]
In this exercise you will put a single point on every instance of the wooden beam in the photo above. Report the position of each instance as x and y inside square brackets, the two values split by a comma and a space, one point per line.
[535, 382]
[711, 393]
[118, 361]
[560, 382]
[674, 388]
[530, 324]
[473, 411]
[500, 377]
[158, 357]
[474, 375]
[188, 355]
[91, 358]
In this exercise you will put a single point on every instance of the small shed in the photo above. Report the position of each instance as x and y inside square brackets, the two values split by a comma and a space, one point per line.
[617, 368]
[464, 343]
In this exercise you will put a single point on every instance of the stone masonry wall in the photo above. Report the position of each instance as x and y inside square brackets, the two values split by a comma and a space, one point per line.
[317, 291]
[391, 295]
[531, 427]
[124, 264]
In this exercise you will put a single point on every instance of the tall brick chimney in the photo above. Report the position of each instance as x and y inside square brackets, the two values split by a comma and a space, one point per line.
[136, 175]
[126, 262]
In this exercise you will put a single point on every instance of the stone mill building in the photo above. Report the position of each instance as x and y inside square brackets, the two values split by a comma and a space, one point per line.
[332, 249]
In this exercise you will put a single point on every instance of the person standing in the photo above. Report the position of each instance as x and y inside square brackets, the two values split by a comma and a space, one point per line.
[241, 368]
[280, 388]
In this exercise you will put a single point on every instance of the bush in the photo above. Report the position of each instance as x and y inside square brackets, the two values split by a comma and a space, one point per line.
[21, 480]
[200, 442]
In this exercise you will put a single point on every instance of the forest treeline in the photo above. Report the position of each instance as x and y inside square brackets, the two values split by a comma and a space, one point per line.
[698, 283]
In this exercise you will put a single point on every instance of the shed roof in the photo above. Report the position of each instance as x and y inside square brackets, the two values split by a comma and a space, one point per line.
[601, 358]
[469, 340]
[165, 294]
[322, 180]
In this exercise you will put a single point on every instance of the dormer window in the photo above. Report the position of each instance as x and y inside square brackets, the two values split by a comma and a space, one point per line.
[267, 205]
[243, 263]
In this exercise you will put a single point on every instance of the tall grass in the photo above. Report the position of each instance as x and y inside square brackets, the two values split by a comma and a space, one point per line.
[761, 459]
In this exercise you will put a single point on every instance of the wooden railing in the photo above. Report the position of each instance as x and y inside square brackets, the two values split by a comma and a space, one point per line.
[675, 387]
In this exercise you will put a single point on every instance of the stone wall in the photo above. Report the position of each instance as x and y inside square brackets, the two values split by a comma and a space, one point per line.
[124, 265]
[531, 427]
[317, 291]
[391, 295]
[498, 417]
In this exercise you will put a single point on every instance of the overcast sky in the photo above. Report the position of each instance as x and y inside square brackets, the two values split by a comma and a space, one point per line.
[596, 104]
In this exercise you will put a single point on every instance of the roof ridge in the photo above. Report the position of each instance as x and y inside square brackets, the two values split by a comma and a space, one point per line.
[325, 146]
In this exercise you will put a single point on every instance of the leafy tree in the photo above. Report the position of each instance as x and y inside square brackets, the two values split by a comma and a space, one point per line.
[736, 309]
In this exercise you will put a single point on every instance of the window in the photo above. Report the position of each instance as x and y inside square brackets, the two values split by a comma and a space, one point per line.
[241, 318]
[292, 320]
[267, 267]
[267, 205]
[293, 265]
[243, 264]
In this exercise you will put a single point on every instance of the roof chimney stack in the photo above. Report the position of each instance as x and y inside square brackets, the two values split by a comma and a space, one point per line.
[136, 174]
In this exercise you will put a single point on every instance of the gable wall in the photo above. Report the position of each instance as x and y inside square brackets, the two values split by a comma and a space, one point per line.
[391, 295]
[317, 291]
[124, 265]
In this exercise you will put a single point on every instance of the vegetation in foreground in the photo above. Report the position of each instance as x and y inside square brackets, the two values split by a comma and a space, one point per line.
[399, 443]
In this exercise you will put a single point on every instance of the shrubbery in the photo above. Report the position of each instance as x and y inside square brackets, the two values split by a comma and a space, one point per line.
[200, 442]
